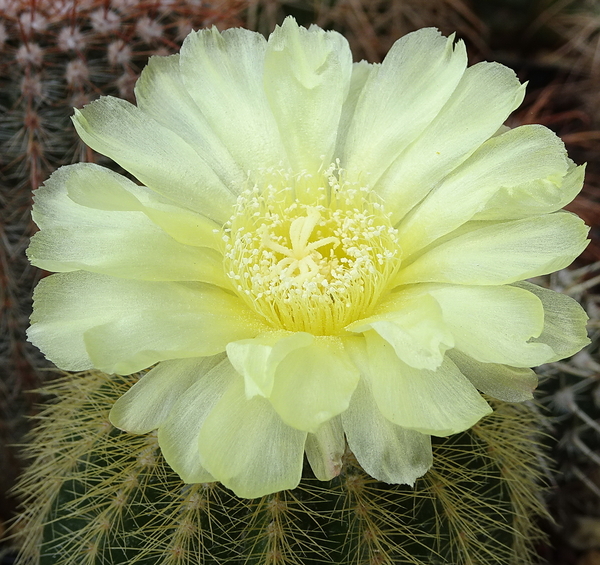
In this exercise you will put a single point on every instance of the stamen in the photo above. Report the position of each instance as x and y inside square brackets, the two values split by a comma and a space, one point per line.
[310, 254]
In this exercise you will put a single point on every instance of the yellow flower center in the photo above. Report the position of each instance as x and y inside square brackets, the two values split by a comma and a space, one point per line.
[310, 254]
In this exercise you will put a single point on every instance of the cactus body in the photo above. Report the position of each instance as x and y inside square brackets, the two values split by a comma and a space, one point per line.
[94, 495]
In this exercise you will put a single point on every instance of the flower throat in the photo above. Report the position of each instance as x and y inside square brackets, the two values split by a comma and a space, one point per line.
[310, 254]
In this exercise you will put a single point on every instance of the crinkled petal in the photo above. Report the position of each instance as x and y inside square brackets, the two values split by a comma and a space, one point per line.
[155, 155]
[397, 103]
[486, 94]
[246, 445]
[149, 402]
[178, 436]
[307, 77]
[531, 158]
[223, 73]
[439, 403]
[160, 92]
[494, 324]
[257, 359]
[564, 322]
[114, 242]
[83, 320]
[500, 253]
[95, 187]
[413, 326]
[314, 383]
[531, 199]
[510, 384]
[325, 448]
[386, 451]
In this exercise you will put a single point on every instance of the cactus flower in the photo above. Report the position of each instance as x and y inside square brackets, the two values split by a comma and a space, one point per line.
[315, 252]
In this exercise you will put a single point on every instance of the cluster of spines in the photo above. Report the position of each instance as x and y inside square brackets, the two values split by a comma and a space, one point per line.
[569, 393]
[94, 495]
[55, 59]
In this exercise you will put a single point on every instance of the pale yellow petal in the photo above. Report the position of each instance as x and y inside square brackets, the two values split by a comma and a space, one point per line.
[117, 242]
[307, 76]
[84, 320]
[138, 251]
[160, 92]
[439, 403]
[564, 322]
[155, 155]
[534, 198]
[386, 451]
[361, 74]
[150, 401]
[313, 384]
[223, 73]
[486, 94]
[246, 446]
[528, 158]
[413, 326]
[510, 384]
[325, 449]
[257, 359]
[500, 253]
[495, 324]
[95, 187]
[398, 102]
[178, 436]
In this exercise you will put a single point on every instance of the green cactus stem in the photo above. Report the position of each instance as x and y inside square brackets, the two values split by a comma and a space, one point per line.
[94, 495]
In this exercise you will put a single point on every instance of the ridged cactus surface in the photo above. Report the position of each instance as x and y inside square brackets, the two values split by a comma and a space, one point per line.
[94, 495]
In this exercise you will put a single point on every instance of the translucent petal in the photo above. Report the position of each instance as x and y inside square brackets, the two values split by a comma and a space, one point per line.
[361, 73]
[149, 402]
[415, 80]
[506, 383]
[494, 324]
[160, 92]
[500, 253]
[178, 436]
[223, 73]
[439, 403]
[95, 187]
[257, 359]
[246, 445]
[114, 242]
[564, 322]
[307, 76]
[528, 156]
[325, 448]
[314, 383]
[156, 156]
[413, 326]
[83, 320]
[386, 451]
[486, 94]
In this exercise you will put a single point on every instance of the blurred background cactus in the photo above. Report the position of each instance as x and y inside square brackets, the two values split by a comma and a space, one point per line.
[60, 54]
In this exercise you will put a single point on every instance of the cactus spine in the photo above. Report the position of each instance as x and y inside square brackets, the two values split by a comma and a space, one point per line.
[95, 495]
